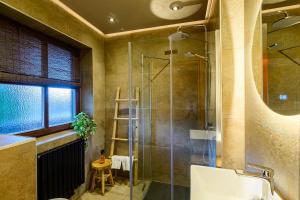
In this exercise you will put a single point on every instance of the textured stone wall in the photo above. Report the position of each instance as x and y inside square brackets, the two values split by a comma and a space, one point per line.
[272, 140]
[18, 169]
[233, 87]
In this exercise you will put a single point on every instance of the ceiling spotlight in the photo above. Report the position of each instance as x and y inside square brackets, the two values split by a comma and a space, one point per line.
[176, 5]
[112, 19]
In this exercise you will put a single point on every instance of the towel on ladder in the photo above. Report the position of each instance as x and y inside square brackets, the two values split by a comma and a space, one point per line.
[117, 161]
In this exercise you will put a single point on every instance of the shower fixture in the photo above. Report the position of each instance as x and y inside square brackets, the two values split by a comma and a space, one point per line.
[175, 9]
[191, 55]
[286, 21]
[273, 46]
[177, 5]
[272, 1]
[179, 35]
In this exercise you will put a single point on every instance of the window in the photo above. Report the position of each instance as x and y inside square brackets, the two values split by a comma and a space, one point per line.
[62, 107]
[21, 108]
[39, 82]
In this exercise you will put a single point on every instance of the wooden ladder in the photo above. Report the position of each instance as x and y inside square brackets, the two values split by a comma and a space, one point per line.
[135, 139]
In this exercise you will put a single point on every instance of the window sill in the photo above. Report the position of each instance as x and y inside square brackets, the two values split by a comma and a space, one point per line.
[54, 140]
[8, 141]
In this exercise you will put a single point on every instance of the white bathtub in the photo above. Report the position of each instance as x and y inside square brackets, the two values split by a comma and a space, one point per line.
[209, 183]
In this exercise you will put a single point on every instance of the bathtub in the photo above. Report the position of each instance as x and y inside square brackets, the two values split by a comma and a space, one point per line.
[208, 183]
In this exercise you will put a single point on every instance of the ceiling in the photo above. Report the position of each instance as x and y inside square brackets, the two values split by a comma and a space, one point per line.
[135, 14]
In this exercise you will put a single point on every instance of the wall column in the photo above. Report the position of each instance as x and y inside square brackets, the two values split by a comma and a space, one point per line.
[233, 79]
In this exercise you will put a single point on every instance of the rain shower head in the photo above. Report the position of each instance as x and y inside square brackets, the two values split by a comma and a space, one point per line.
[190, 54]
[286, 22]
[179, 35]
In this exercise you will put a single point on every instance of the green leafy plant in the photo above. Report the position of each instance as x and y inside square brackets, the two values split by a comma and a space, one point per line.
[84, 126]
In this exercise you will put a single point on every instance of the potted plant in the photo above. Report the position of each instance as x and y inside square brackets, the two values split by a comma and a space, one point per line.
[84, 126]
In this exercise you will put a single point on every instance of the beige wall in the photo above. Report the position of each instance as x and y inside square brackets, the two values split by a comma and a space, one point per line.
[18, 169]
[258, 51]
[51, 16]
[271, 139]
[233, 88]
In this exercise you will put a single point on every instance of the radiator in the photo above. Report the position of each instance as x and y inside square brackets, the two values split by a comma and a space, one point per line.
[60, 171]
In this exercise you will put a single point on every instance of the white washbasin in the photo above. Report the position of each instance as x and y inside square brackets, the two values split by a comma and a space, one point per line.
[209, 183]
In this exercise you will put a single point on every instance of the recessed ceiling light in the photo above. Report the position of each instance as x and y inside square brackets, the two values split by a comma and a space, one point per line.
[176, 5]
[112, 19]
[175, 8]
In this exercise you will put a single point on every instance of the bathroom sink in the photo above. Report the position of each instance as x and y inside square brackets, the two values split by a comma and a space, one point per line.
[209, 183]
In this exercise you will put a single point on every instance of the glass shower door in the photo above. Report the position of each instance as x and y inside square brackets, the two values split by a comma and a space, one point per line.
[155, 82]
[193, 136]
[176, 113]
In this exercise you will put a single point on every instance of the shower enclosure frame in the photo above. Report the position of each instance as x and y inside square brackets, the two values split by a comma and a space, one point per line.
[171, 62]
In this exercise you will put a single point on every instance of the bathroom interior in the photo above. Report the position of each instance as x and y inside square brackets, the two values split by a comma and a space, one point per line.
[150, 100]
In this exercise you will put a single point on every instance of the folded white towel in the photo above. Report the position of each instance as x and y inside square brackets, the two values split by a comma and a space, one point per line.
[118, 160]
[125, 163]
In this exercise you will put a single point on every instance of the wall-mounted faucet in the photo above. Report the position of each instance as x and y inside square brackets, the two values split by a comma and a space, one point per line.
[261, 172]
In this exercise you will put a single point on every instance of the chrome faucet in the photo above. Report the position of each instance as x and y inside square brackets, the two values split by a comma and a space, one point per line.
[262, 172]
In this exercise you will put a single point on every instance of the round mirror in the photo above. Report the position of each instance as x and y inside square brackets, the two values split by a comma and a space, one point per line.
[276, 57]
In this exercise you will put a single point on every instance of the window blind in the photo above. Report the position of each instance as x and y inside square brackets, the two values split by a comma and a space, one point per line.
[27, 56]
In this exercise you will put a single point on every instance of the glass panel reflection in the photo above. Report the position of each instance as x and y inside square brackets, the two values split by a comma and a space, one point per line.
[21, 108]
[62, 105]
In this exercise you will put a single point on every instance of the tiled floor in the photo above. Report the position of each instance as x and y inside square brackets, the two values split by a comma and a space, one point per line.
[120, 191]
[156, 191]
[162, 191]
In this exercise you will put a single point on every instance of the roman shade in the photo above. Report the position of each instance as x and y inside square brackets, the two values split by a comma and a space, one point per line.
[28, 56]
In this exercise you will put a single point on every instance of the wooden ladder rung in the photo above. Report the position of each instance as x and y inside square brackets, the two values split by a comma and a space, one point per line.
[125, 118]
[135, 100]
[120, 139]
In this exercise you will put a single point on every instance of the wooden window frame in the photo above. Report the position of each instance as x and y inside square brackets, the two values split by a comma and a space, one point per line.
[49, 130]
[46, 130]
[44, 82]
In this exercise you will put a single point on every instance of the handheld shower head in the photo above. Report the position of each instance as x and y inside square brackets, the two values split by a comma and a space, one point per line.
[273, 46]
[190, 54]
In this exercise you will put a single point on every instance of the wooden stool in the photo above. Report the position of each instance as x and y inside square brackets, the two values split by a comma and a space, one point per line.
[101, 173]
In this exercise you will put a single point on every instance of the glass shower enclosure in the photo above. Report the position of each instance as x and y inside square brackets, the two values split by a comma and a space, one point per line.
[173, 72]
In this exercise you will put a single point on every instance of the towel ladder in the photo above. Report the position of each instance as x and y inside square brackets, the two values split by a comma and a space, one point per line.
[135, 139]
